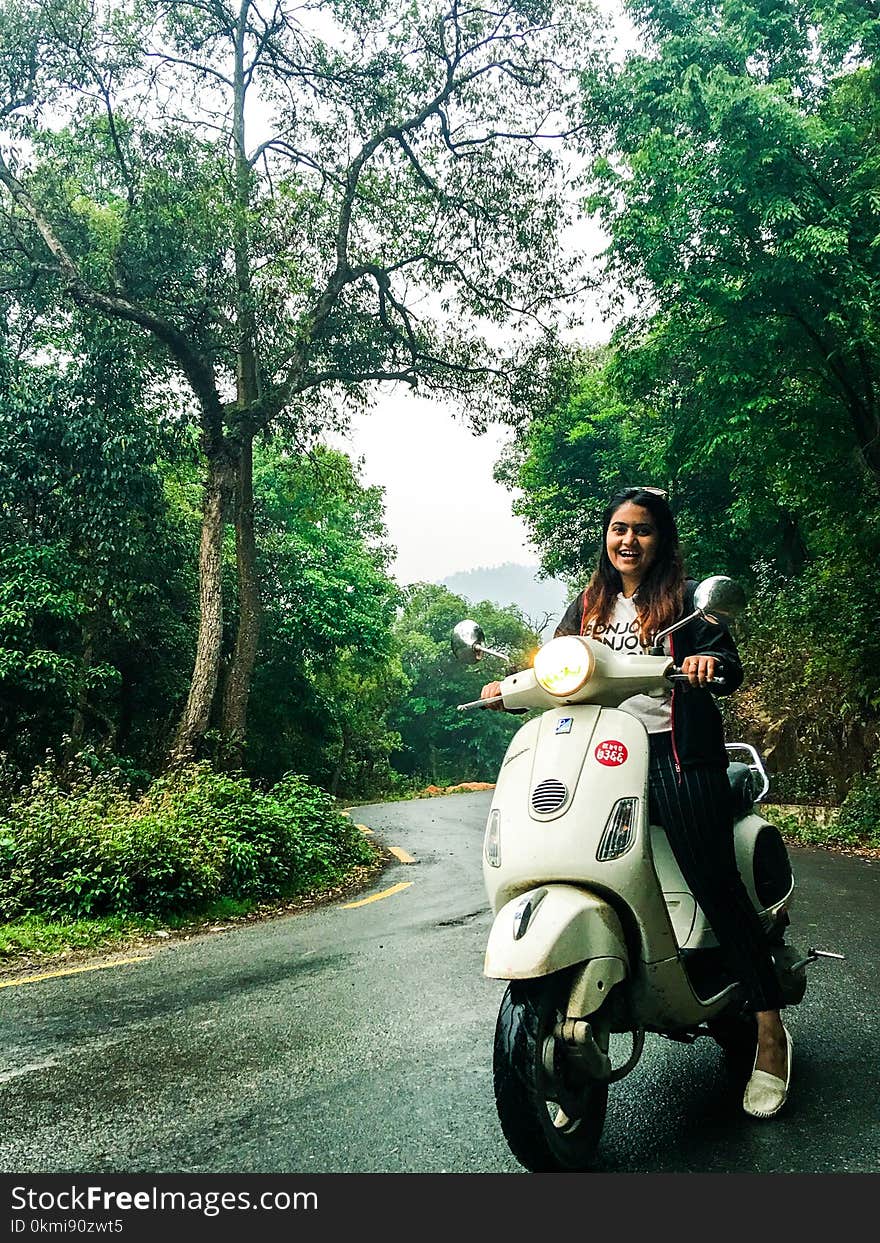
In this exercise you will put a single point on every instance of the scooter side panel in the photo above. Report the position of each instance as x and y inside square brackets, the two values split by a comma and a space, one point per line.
[662, 997]
[691, 927]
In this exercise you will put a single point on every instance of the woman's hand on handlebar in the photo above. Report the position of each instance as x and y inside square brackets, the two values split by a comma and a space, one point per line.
[699, 669]
[490, 691]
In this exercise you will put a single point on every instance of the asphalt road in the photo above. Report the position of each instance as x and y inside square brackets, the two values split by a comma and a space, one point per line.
[359, 1040]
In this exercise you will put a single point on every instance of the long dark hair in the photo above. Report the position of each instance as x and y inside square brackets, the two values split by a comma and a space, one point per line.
[660, 597]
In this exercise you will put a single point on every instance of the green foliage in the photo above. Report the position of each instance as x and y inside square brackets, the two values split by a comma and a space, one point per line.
[859, 817]
[85, 845]
[735, 167]
[811, 649]
[441, 745]
[95, 589]
[329, 666]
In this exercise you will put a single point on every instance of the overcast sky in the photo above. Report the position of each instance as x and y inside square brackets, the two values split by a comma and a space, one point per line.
[444, 511]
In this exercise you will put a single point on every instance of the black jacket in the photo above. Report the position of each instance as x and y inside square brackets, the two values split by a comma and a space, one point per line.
[697, 728]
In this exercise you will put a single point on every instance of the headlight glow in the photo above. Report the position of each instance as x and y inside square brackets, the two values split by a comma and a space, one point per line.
[563, 665]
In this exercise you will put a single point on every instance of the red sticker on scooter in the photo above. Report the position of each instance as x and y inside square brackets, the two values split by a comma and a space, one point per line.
[611, 753]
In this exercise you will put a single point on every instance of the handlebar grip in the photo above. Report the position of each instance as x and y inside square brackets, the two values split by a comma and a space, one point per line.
[683, 677]
[480, 703]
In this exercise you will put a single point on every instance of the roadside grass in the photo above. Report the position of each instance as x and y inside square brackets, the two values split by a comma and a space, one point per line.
[33, 936]
[35, 939]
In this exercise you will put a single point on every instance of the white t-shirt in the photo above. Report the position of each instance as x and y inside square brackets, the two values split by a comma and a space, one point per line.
[622, 635]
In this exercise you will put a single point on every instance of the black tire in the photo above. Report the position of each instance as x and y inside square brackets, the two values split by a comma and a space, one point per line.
[528, 1014]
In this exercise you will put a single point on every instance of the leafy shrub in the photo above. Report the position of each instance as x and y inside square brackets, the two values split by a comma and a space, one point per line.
[859, 817]
[810, 699]
[87, 845]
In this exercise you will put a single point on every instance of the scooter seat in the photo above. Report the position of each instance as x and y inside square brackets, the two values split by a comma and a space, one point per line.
[742, 785]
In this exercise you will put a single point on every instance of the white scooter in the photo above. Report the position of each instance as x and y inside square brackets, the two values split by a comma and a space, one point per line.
[595, 927]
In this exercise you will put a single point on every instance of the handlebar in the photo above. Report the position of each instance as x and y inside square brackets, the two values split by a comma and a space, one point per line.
[676, 675]
[480, 703]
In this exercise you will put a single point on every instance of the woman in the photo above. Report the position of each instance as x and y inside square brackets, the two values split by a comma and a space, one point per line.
[638, 589]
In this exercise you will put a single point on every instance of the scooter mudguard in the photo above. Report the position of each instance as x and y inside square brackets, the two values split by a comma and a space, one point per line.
[551, 927]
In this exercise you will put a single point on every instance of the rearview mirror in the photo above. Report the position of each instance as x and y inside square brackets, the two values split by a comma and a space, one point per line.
[467, 642]
[719, 599]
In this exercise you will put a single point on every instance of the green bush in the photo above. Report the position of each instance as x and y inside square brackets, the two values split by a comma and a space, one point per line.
[859, 816]
[86, 845]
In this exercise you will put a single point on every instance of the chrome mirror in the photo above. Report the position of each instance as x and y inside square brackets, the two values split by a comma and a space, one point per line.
[719, 599]
[467, 642]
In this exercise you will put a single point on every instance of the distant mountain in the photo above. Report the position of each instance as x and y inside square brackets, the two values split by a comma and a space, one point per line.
[514, 584]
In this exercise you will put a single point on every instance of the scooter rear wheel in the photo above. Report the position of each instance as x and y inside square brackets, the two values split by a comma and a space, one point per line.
[546, 1134]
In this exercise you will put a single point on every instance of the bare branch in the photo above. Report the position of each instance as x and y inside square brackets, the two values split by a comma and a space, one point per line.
[209, 70]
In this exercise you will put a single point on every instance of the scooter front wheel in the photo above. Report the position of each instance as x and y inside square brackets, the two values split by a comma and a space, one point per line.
[551, 1122]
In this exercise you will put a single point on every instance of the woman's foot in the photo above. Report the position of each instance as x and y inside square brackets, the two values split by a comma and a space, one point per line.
[772, 1054]
[767, 1090]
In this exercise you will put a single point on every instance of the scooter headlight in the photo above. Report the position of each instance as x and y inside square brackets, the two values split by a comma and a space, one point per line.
[563, 665]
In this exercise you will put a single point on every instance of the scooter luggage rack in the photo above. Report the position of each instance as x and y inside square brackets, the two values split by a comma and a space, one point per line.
[756, 765]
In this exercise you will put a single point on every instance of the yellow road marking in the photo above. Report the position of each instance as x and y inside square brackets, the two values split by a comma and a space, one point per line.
[386, 893]
[401, 854]
[363, 828]
[53, 975]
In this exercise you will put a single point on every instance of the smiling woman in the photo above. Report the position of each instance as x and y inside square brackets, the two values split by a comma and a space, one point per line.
[631, 542]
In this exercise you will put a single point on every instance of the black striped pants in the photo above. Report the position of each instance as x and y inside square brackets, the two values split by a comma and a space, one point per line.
[696, 812]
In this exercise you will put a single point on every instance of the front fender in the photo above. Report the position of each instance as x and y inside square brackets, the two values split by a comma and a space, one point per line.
[551, 927]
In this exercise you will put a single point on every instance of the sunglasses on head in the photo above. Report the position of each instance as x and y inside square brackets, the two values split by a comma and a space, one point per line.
[661, 492]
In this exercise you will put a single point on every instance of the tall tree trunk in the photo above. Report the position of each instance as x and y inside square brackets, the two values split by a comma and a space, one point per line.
[238, 680]
[197, 713]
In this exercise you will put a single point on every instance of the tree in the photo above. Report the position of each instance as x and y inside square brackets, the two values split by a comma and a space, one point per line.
[291, 203]
[734, 166]
[329, 666]
[94, 593]
[439, 742]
